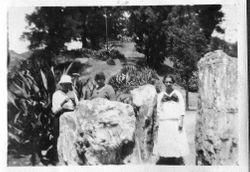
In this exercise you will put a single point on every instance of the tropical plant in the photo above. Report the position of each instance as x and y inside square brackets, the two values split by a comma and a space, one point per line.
[110, 61]
[131, 77]
[109, 52]
[30, 92]
[29, 105]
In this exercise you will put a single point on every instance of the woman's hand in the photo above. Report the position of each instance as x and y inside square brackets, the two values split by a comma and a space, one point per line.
[175, 97]
[180, 127]
[65, 101]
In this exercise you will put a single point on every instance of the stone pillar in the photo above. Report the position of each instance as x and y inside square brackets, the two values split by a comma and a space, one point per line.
[216, 128]
[144, 99]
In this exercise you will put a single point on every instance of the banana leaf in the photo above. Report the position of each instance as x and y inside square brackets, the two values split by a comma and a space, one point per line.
[11, 99]
[24, 80]
[44, 79]
[16, 117]
[53, 71]
[19, 91]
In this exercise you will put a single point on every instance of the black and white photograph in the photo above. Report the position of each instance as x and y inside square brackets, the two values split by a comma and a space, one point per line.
[123, 84]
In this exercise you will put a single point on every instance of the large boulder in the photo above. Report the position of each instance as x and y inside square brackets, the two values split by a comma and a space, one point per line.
[99, 131]
[216, 128]
[144, 100]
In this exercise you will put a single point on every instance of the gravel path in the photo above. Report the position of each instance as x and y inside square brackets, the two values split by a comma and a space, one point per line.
[189, 123]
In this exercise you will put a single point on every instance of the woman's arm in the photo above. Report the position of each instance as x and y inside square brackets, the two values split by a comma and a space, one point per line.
[111, 93]
[182, 110]
[58, 102]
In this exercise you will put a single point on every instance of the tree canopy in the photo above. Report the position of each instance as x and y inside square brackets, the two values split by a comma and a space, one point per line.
[155, 27]
[180, 33]
[52, 27]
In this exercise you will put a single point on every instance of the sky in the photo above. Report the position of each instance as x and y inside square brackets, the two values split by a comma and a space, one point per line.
[17, 24]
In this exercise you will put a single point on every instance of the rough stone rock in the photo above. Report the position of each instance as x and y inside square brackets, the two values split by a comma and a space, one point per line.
[144, 100]
[99, 131]
[216, 128]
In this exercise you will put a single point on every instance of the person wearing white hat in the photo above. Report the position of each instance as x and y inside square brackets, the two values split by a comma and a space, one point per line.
[63, 100]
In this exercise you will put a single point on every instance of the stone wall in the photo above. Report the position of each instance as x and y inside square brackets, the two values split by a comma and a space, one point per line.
[216, 128]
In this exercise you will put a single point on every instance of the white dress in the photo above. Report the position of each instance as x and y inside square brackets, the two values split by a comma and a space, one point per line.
[170, 141]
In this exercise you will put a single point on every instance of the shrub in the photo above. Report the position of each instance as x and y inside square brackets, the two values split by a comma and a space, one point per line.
[75, 53]
[103, 55]
[110, 61]
[131, 77]
[30, 92]
[193, 82]
[108, 52]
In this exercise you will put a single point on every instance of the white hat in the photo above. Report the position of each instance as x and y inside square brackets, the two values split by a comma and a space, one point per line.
[65, 79]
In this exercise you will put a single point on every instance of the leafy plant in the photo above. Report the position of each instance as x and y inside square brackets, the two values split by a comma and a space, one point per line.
[193, 82]
[131, 77]
[30, 91]
[110, 61]
[109, 52]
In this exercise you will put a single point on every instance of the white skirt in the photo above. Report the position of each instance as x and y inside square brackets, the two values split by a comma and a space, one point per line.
[170, 141]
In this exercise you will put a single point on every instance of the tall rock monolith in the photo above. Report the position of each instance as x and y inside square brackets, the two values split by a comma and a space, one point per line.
[144, 102]
[216, 128]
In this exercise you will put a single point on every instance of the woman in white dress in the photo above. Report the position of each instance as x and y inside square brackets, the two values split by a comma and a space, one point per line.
[172, 143]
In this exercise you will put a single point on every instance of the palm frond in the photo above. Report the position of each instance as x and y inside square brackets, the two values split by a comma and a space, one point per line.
[16, 117]
[25, 80]
[11, 99]
[20, 92]
[44, 79]
[14, 137]
[68, 68]
[53, 71]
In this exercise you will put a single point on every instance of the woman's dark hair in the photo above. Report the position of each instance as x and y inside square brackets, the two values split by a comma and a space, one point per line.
[169, 76]
[100, 76]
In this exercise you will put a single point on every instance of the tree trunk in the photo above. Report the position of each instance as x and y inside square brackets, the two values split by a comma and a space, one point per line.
[187, 96]
[84, 42]
[94, 43]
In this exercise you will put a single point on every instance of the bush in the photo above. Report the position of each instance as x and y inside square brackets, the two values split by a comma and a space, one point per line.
[193, 82]
[81, 52]
[108, 52]
[115, 54]
[68, 56]
[30, 92]
[103, 55]
[110, 61]
[131, 77]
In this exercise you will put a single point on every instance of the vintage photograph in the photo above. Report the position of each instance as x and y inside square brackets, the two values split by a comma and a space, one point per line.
[122, 85]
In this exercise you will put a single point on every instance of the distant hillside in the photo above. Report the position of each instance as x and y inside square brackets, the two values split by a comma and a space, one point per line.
[26, 54]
